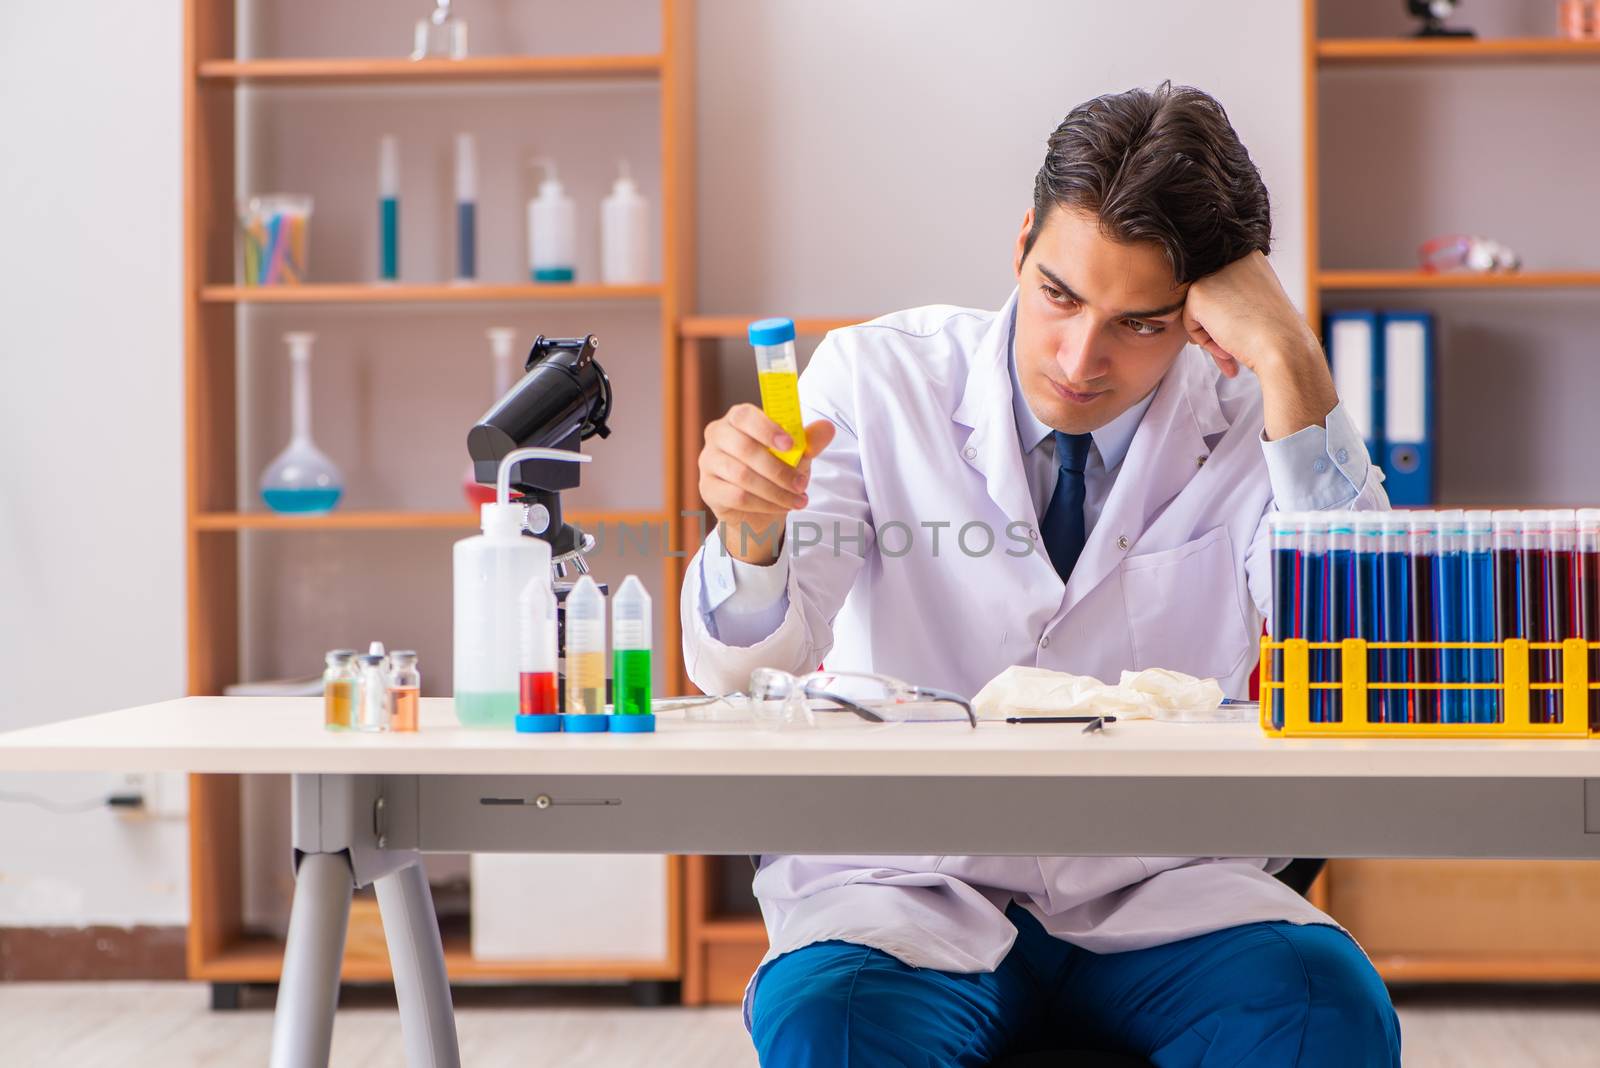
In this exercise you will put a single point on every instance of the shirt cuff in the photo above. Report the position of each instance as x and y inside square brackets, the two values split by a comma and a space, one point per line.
[1317, 468]
[743, 603]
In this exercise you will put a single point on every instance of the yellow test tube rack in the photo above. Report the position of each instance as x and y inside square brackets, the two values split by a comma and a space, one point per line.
[1355, 684]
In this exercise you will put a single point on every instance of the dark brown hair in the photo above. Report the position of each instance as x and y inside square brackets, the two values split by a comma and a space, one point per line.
[1161, 166]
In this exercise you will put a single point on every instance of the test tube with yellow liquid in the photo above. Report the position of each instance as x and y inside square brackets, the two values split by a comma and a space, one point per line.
[586, 658]
[779, 372]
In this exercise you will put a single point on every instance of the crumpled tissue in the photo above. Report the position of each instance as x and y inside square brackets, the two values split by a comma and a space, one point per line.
[1032, 691]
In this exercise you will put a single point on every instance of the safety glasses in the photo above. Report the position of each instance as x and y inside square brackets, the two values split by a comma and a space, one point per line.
[775, 695]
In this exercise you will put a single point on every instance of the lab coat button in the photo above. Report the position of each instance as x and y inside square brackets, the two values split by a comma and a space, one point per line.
[1344, 456]
[1320, 465]
[1199, 461]
[969, 452]
[1044, 643]
[1034, 534]
[1122, 542]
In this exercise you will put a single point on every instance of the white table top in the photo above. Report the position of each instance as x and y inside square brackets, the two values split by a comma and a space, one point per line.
[277, 735]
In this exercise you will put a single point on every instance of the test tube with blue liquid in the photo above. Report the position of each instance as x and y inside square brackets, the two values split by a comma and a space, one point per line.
[388, 208]
[1369, 604]
[1394, 619]
[1478, 613]
[1424, 618]
[1449, 594]
[1288, 617]
[1314, 572]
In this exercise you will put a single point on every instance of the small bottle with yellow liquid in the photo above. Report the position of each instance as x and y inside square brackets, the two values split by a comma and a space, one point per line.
[779, 372]
[338, 689]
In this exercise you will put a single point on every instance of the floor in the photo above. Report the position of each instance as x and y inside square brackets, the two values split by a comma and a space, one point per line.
[168, 1025]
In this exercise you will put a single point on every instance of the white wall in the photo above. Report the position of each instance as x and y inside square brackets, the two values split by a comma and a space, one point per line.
[861, 157]
[853, 158]
[91, 481]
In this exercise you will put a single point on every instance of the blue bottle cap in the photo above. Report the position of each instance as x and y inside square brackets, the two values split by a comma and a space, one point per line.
[584, 723]
[771, 331]
[544, 723]
[644, 723]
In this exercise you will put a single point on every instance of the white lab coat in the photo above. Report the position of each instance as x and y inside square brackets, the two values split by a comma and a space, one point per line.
[1174, 574]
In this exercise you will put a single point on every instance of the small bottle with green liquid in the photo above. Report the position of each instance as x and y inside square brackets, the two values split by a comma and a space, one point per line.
[630, 658]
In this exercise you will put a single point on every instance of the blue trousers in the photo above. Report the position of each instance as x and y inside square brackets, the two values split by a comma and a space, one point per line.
[1275, 994]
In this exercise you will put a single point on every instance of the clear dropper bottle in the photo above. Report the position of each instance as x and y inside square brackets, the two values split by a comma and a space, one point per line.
[586, 658]
[630, 645]
[372, 700]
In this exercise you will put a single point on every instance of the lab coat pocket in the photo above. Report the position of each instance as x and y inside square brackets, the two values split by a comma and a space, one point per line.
[1183, 607]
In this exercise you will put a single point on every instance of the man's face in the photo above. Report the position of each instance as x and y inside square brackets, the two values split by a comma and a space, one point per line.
[1098, 322]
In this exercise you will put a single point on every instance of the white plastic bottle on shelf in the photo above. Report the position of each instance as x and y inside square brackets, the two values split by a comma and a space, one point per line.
[491, 570]
[552, 230]
[624, 233]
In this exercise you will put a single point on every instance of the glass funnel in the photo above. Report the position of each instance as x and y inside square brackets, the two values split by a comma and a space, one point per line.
[301, 480]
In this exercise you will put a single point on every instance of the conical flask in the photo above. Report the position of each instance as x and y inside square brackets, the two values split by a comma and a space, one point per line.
[301, 481]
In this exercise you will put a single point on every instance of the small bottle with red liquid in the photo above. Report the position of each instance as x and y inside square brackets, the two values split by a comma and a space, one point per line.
[538, 704]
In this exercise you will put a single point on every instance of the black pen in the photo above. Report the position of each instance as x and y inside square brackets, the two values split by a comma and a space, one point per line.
[1060, 719]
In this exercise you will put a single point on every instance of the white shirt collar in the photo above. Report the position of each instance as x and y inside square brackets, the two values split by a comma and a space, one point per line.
[1112, 441]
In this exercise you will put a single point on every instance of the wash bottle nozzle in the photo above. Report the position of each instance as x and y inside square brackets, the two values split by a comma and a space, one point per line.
[503, 518]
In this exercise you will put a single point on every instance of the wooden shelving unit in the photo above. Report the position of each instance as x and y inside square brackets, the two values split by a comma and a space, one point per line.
[1427, 921]
[721, 948]
[220, 948]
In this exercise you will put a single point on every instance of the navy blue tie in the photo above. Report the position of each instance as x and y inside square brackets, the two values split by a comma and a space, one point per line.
[1063, 526]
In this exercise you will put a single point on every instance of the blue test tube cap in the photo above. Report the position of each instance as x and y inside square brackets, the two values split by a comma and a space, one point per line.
[585, 723]
[771, 331]
[642, 723]
[544, 723]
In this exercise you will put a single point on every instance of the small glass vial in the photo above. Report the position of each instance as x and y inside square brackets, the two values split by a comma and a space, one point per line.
[372, 694]
[778, 373]
[405, 689]
[442, 34]
[338, 689]
[586, 653]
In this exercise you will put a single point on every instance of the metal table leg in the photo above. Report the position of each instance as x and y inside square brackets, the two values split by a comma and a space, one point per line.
[308, 992]
[416, 954]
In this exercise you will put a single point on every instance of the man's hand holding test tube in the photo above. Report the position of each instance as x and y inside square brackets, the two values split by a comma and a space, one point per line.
[756, 464]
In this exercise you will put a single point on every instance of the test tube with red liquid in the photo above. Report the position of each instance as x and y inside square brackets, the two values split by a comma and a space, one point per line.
[538, 703]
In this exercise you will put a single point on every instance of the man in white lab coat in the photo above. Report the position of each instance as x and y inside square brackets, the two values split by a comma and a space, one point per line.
[1078, 481]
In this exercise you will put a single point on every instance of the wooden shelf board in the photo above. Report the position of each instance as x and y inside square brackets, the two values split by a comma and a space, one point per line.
[735, 326]
[368, 71]
[733, 929]
[1442, 968]
[1423, 280]
[259, 959]
[464, 293]
[463, 520]
[1410, 49]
